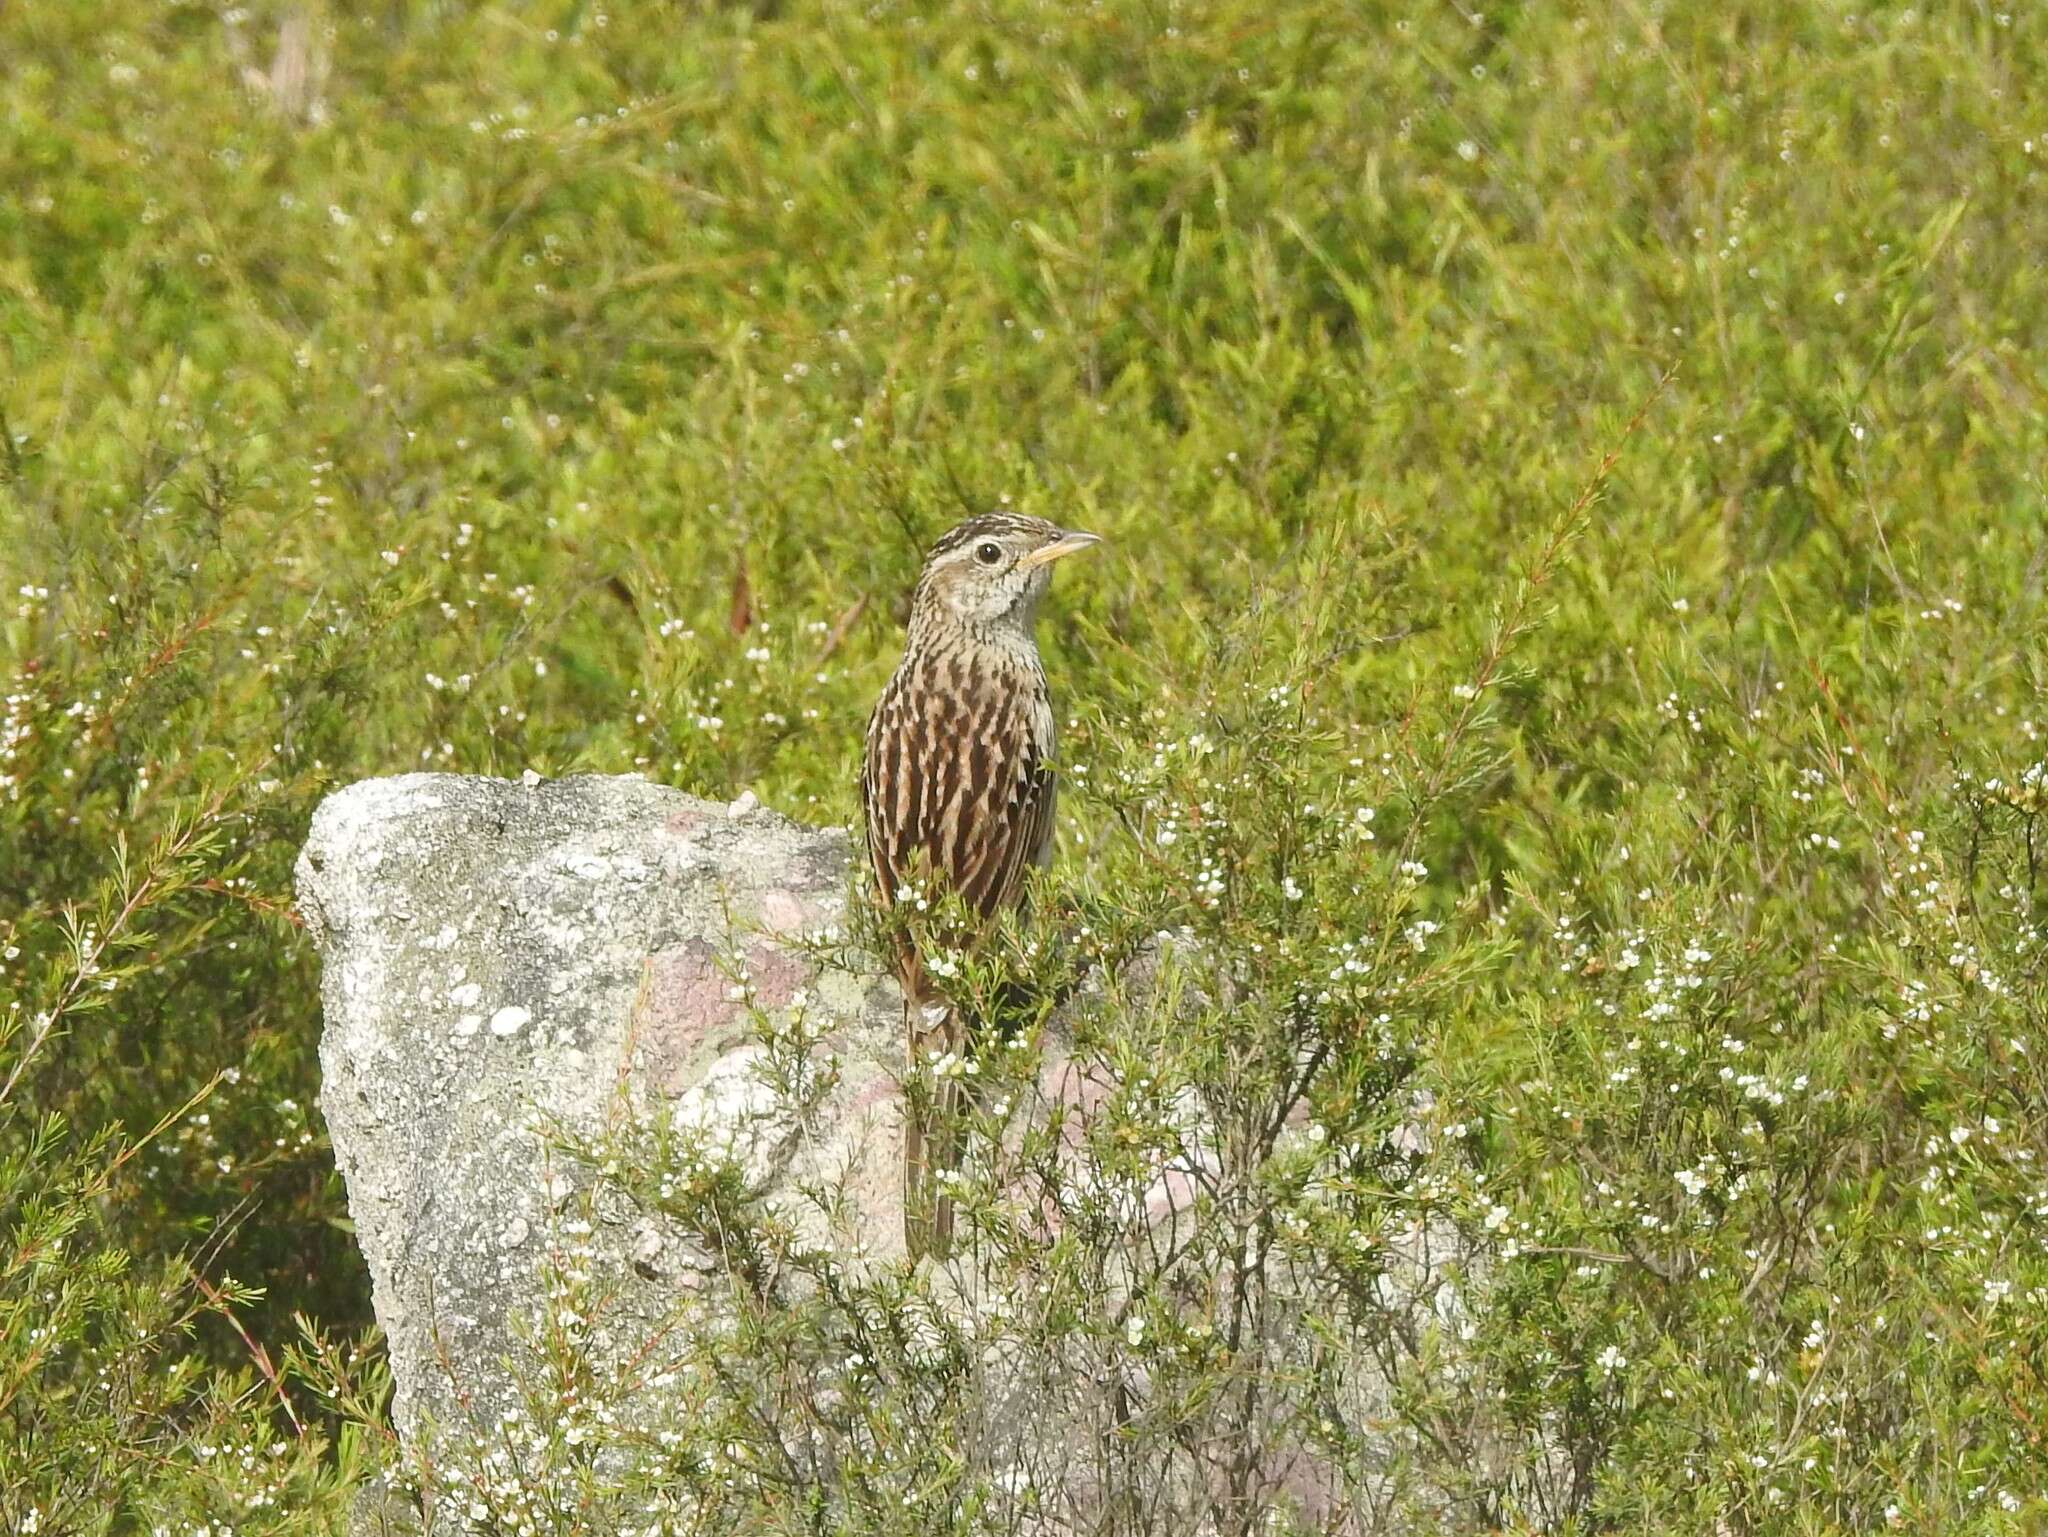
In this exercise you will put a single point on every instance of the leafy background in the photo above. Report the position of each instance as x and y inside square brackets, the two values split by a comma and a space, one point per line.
[572, 386]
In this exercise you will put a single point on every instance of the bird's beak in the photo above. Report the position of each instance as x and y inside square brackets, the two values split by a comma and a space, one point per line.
[1068, 543]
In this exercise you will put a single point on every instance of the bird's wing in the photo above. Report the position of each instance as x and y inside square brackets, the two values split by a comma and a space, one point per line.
[1019, 807]
[892, 794]
[965, 799]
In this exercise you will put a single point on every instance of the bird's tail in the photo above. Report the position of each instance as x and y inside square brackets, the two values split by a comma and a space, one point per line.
[931, 1136]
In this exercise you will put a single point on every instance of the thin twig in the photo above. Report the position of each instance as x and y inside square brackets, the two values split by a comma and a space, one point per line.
[257, 1353]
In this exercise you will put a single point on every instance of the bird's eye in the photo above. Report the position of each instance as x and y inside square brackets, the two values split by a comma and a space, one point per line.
[988, 552]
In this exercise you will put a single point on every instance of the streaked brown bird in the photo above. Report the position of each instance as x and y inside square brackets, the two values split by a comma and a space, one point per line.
[957, 787]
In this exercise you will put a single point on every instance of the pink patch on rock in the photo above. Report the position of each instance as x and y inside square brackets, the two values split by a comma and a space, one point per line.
[774, 975]
[1074, 1092]
[878, 1091]
[683, 823]
[1170, 1197]
[784, 912]
[686, 1018]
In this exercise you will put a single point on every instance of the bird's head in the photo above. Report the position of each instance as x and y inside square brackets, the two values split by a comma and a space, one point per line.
[989, 572]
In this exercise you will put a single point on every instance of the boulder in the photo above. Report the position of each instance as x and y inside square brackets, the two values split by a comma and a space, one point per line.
[506, 959]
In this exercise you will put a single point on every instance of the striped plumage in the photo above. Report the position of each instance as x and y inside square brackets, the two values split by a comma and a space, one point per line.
[957, 784]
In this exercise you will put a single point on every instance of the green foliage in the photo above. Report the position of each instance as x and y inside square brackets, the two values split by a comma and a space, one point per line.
[566, 386]
[111, 1417]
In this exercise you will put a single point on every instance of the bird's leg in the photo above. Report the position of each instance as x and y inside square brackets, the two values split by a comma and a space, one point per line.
[931, 1129]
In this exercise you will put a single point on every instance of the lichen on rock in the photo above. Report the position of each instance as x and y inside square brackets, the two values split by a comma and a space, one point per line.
[508, 965]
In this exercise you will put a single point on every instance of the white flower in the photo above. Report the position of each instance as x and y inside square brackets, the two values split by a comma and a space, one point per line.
[1610, 1360]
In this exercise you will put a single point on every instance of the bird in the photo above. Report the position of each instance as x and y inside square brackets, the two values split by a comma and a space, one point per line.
[957, 788]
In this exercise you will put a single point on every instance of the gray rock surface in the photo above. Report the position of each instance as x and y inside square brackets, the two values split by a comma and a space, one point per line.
[499, 955]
